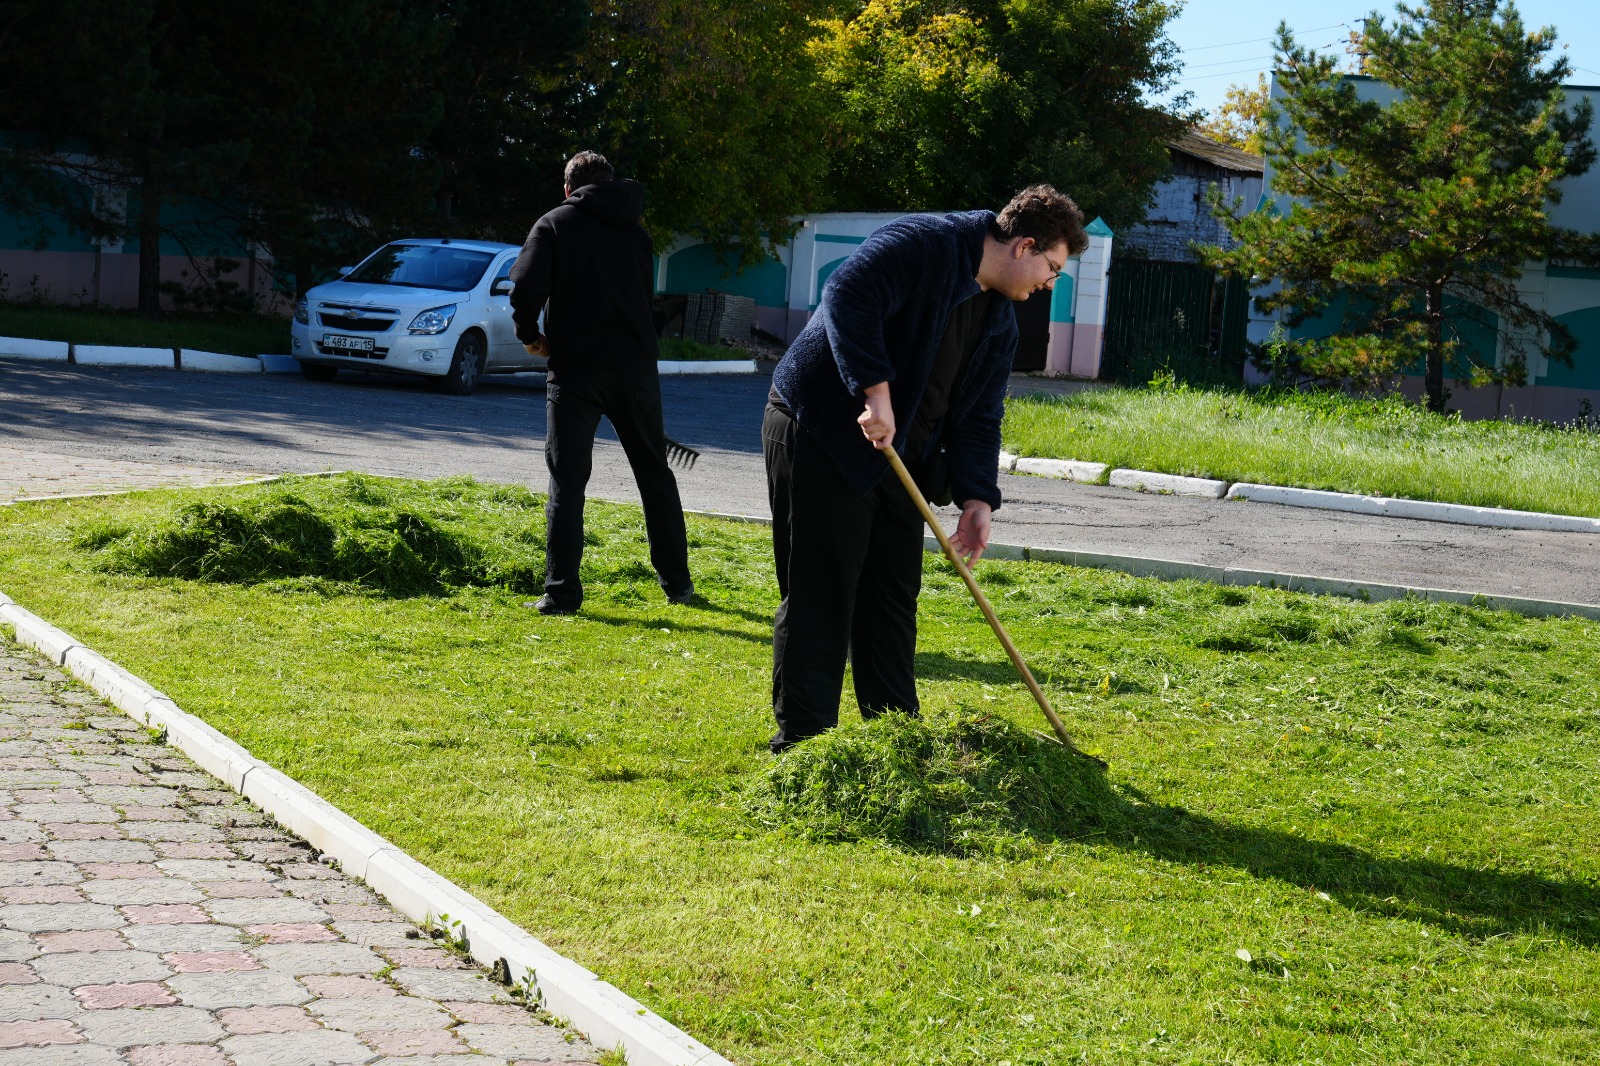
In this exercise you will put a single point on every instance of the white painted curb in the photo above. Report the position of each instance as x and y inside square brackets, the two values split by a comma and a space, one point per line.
[216, 363]
[604, 1012]
[27, 348]
[1498, 517]
[1148, 481]
[706, 366]
[111, 355]
[1008, 462]
[279, 364]
[1065, 469]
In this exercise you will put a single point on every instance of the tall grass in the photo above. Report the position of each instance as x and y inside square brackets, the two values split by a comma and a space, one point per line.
[1384, 447]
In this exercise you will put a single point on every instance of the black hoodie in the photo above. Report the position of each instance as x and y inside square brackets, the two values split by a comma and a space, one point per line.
[590, 259]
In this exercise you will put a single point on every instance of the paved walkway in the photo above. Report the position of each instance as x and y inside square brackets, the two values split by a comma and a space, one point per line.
[152, 918]
[28, 472]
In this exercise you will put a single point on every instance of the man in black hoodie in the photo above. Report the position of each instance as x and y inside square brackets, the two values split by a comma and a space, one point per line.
[587, 266]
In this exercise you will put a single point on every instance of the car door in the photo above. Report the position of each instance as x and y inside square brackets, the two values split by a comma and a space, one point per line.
[504, 348]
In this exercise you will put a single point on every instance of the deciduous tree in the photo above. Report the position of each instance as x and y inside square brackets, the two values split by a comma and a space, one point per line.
[946, 105]
[1241, 121]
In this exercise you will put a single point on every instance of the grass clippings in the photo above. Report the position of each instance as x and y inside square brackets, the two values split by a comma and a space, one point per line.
[963, 784]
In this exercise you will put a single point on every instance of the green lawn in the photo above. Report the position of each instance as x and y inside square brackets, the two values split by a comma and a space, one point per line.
[202, 331]
[1316, 441]
[1389, 809]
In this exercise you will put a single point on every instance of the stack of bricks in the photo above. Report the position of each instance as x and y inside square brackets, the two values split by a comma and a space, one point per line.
[717, 316]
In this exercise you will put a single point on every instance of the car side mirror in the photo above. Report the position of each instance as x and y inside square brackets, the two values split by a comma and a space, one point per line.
[346, 270]
[502, 287]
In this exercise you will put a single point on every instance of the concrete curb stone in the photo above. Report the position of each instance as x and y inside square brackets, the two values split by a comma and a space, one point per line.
[117, 355]
[706, 366]
[1427, 510]
[216, 363]
[608, 1015]
[1177, 485]
[279, 364]
[27, 348]
[1065, 469]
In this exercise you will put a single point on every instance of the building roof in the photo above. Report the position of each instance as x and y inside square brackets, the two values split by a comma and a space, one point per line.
[1217, 154]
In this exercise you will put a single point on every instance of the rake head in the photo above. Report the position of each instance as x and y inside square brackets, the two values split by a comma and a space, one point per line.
[681, 454]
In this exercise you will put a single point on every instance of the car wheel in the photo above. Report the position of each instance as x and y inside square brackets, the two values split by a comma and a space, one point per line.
[466, 367]
[318, 372]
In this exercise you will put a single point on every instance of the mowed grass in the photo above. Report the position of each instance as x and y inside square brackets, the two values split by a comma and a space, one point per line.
[1333, 832]
[201, 331]
[1384, 447]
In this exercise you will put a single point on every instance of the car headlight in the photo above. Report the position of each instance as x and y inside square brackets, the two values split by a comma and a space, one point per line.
[302, 311]
[433, 320]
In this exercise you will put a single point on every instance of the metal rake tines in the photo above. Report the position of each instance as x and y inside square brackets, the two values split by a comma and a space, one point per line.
[681, 454]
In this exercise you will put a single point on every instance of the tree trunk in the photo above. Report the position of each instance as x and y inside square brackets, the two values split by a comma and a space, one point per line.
[150, 247]
[1433, 378]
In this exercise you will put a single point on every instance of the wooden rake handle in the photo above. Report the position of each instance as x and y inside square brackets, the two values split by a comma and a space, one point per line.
[983, 602]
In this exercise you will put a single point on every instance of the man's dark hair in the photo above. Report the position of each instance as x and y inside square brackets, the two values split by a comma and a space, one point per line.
[588, 168]
[1049, 217]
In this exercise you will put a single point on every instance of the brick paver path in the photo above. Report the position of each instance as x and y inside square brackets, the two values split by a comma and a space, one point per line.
[30, 472]
[148, 917]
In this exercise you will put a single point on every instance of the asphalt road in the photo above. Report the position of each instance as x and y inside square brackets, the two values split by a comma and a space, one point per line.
[399, 427]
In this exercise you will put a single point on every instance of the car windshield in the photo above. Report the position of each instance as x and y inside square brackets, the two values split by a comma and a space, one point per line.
[423, 266]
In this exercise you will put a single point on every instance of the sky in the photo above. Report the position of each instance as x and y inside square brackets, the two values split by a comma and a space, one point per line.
[1228, 42]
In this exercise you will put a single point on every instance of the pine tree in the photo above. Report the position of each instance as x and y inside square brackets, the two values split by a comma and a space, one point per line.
[1415, 207]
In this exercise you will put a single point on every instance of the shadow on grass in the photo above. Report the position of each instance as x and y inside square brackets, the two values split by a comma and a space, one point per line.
[1473, 903]
[938, 666]
[677, 624]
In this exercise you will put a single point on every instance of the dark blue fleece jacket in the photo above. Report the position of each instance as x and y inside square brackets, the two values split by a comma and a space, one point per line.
[882, 316]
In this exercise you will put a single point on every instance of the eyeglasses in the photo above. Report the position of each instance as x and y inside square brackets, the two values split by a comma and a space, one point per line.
[1057, 270]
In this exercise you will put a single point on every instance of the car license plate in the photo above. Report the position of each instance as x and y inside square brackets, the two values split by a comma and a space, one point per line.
[349, 344]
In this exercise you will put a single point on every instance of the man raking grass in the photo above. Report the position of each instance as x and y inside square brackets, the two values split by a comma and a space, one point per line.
[909, 350]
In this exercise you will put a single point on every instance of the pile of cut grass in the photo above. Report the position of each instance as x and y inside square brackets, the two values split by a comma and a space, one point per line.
[391, 537]
[962, 784]
[1318, 440]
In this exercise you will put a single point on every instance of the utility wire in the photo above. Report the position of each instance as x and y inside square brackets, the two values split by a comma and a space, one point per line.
[1258, 40]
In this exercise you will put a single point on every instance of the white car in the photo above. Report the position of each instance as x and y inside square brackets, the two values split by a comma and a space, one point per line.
[439, 308]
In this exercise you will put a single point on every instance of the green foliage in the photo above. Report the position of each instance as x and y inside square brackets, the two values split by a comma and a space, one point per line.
[966, 784]
[1241, 121]
[506, 82]
[710, 103]
[360, 532]
[256, 114]
[1420, 209]
[944, 106]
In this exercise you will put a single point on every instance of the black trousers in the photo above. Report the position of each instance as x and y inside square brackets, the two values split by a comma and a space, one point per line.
[633, 404]
[849, 570]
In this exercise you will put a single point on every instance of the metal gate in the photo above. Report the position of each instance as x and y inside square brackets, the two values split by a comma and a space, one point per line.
[1180, 317]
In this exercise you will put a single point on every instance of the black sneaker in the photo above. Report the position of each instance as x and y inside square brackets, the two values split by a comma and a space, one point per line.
[683, 598]
[549, 605]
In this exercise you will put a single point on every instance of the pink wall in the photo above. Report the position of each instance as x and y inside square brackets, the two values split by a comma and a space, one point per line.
[1541, 403]
[112, 279]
